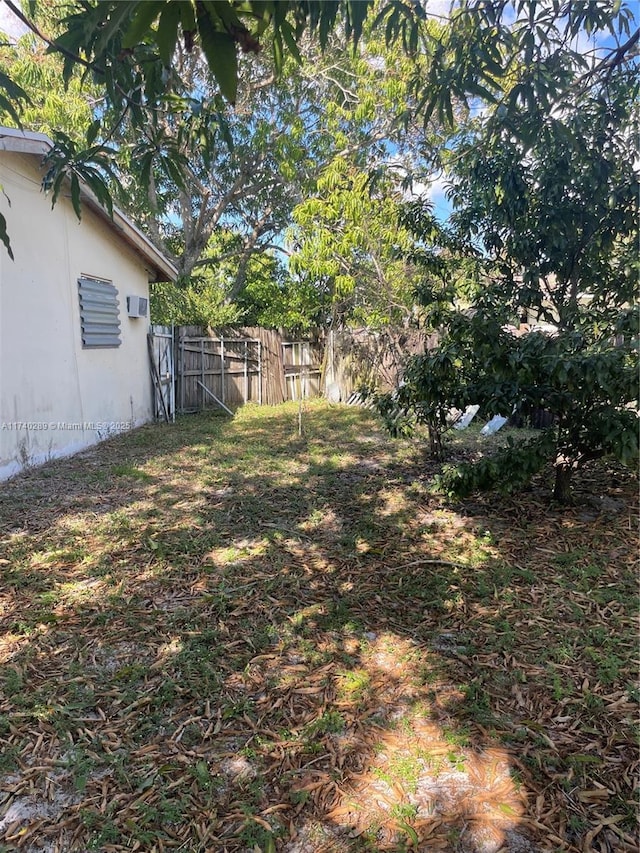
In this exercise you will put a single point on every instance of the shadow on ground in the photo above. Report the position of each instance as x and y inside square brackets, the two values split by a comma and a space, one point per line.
[219, 635]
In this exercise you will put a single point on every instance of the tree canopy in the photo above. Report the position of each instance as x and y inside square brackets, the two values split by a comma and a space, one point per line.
[511, 54]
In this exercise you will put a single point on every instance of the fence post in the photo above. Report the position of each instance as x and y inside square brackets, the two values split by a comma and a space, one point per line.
[259, 373]
[222, 382]
[246, 371]
[181, 372]
[172, 387]
[202, 372]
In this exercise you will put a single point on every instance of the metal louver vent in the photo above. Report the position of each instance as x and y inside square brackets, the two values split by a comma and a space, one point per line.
[99, 314]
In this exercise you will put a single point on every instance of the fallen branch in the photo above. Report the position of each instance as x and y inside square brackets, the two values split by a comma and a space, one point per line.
[434, 562]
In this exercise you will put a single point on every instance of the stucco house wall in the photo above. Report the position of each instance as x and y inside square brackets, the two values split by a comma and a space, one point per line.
[56, 396]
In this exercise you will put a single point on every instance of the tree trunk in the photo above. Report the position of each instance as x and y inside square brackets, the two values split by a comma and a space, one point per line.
[435, 440]
[562, 488]
[248, 249]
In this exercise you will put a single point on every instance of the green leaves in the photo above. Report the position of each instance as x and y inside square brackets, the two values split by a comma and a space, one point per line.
[356, 12]
[348, 244]
[140, 26]
[536, 189]
[4, 236]
[220, 51]
[506, 471]
[12, 97]
[67, 165]
[167, 33]
[75, 194]
[586, 383]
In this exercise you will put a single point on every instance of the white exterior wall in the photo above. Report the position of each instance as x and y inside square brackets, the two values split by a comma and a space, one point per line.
[56, 397]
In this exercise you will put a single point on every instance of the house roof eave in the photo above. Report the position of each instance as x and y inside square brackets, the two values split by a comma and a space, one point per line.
[158, 266]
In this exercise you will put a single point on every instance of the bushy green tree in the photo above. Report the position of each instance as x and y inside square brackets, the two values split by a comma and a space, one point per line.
[274, 299]
[553, 215]
[587, 380]
[350, 246]
[52, 107]
[271, 297]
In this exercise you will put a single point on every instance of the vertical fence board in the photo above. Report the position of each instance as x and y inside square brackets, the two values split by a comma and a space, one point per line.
[359, 357]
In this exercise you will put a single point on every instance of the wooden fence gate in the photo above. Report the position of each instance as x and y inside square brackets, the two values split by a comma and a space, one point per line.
[217, 372]
[160, 343]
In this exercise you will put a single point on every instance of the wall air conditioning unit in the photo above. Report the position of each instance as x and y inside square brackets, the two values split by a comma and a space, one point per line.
[137, 306]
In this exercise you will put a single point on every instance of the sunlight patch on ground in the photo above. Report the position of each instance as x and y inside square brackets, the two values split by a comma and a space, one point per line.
[10, 645]
[418, 781]
[325, 520]
[76, 591]
[417, 786]
[167, 651]
[392, 502]
[422, 783]
[237, 552]
[237, 768]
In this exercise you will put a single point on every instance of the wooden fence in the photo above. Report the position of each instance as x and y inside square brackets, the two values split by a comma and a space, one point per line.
[225, 368]
[302, 364]
[161, 362]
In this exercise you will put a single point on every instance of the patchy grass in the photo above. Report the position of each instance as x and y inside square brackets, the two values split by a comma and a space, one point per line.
[217, 636]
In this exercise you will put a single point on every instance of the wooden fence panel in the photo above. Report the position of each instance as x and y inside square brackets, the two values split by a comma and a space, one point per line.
[266, 377]
[229, 367]
[359, 357]
[216, 372]
[273, 390]
[302, 362]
